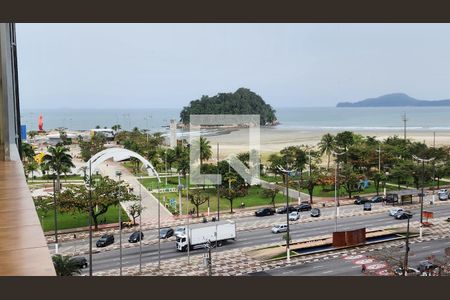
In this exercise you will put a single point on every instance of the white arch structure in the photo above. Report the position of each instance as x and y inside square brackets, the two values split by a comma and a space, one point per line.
[118, 154]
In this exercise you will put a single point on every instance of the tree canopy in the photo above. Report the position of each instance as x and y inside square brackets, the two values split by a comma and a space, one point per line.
[241, 102]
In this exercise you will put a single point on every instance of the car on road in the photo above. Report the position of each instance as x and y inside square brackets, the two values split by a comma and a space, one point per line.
[377, 199]
[403, 215]
[411, 271]
[105, 240]
[282, 210]
[443, 196]
[303, 207]
[394, 211]
[79, 261]
[179, 231]
[294, 216]
[279, 228]
[264, 212]
[136, 237]
[165, 233]
[361, 200]
[315, 212]
[367, 206]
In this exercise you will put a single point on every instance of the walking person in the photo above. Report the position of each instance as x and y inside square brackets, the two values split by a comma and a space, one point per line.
[363, 268]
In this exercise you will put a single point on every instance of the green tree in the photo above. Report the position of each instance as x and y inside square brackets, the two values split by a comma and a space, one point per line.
[135, 210]
[91, 147]
[205, 150]
[197, 198]
[32, 167]
[57, 160]
[326, 145]
[272, 194]
[116, 127]
[349, 179]
[106, 192]
[231, 194]
[65, 266]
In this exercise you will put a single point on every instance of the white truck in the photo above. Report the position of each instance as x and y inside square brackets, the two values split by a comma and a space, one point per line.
[199, 234]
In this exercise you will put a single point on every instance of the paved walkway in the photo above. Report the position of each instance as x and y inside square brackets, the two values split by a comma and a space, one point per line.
[149, 202]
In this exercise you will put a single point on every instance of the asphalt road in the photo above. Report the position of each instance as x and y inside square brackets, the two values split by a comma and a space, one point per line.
[341, 267]
[241, 224]
[110, 259]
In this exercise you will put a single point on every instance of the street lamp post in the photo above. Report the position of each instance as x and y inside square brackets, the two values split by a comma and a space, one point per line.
[90, 218]
[336, 204]
[218, 190]
[286, 173]
[140, 227]
[405, 263]
[422, 160]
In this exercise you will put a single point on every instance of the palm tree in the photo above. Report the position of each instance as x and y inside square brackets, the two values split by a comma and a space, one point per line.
[32, 167]
[65, 266]
[205, 150]
[326, 145]
[116, 127]
[58, 160]
[27, 152]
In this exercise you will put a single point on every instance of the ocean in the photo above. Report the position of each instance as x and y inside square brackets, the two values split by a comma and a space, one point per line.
[302, 118]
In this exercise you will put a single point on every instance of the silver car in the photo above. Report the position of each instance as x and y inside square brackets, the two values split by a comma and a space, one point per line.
[279, 228]
[294, 216]
[179, 231]
[394, 211]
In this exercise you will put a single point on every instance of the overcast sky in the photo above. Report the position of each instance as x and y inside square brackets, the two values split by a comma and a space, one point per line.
[168, 65]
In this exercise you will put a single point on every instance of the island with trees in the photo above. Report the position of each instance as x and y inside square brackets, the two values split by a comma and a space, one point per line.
[241, 102]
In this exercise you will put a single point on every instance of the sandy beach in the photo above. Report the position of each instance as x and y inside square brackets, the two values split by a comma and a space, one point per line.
[274, 139]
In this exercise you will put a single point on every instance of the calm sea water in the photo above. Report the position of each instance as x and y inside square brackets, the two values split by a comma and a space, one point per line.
[383, 118]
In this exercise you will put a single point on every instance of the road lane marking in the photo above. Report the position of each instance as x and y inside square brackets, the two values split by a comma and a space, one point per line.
[425, 247]
[316, 267]
[326, 272]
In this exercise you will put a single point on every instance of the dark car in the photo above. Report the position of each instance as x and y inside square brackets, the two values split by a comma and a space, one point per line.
[264, 212]
[391, 198]
[367, 206]
[105, 240]
[79, 261]
[136, 237]
[426, 266]
[315, 212]
[282, 210]
[361, 200]
[303, 207]
[403, 215]
[377, 199]
[411, 272]
[165, 233]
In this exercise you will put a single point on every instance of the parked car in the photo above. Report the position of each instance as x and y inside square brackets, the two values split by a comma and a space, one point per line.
[403, 215]
[294, 216]
[315, 212]
[136, 237]
[165, 233]
[264, 212]
[443, 191]
[179, 231]
[391, 198]
[411, 271]
[105, 240]
[426, 266]
[443, 196]
[79, 261]
[282, 210]
[376, 199]
[361, 200]
[279, 228]
[394, 211]
[303, 207]
[367, 206]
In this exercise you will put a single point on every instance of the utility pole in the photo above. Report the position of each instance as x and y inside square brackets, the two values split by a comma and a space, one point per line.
[90, 218]
[56, 214]
[336, 201]
[286, 172]
[404, 119]
[405, 263]
[422, 160]
[165, 164]
[188, 217]
[434, 166]
[180, 188]
[120, 239]
[140, 227]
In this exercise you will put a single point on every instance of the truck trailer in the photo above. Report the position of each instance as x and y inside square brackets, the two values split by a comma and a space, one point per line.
[198, 235]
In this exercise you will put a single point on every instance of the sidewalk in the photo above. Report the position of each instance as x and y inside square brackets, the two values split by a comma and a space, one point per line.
[149, 202]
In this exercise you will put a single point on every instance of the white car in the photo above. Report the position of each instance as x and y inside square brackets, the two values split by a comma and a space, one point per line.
[279, 228]
[294, 216]
[179, 231]
[443, 191]
[394, 211]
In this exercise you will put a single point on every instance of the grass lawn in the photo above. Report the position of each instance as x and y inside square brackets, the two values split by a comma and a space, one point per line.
[254, 198]
[77, 219]
[152, 183]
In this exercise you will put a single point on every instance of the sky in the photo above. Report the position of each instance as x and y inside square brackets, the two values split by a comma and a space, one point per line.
[169, 65]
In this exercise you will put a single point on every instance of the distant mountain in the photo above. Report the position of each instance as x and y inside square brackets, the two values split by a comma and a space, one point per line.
[396, 99]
